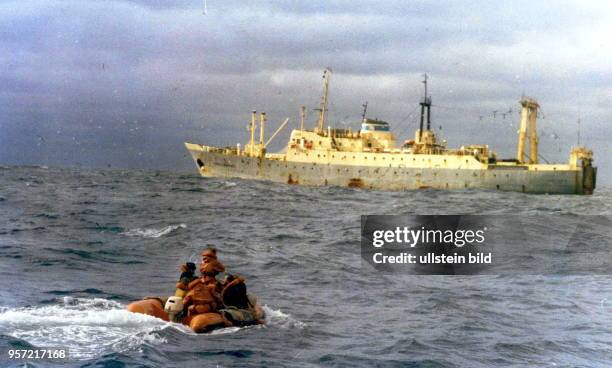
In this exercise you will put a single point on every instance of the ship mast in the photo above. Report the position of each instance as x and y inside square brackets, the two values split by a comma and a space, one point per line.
[529, 113]
[579, 132]
[425, 105]
[252, 128]
[324, 100]
[302, 117]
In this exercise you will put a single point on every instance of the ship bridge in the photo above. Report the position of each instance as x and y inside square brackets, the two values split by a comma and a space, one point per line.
[377, 134]
[372, 125]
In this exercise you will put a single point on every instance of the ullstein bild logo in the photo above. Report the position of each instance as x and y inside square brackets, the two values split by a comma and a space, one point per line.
[486, 244]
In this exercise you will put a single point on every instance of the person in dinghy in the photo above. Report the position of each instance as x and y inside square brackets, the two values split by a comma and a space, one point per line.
[204, 303]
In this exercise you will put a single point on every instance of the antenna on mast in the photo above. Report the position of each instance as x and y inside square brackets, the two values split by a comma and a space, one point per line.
[205, 12]
[425, 76]
[365, 108]
[579, 126]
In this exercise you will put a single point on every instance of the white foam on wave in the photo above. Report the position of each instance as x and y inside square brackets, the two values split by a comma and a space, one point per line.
[226, 330]
[90, 328]
[87, 327]
[276, 317]
[153, 232]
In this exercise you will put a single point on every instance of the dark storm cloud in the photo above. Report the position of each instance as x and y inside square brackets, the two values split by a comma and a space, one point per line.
[125, 82]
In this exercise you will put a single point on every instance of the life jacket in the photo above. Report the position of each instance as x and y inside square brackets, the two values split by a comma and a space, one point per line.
[201, 298]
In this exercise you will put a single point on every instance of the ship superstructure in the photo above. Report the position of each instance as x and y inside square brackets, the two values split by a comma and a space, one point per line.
[371, 157]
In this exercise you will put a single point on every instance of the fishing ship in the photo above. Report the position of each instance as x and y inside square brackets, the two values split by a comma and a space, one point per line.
[372, 158]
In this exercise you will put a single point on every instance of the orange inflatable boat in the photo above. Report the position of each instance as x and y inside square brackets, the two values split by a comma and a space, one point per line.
[238, 309]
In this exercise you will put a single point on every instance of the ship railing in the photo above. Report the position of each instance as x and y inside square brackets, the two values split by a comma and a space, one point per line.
[224, 150]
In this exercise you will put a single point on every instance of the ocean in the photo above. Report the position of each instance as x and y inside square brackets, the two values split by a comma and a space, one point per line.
[77, 245]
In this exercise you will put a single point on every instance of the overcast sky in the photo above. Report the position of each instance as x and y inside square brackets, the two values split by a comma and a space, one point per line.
[125, 83]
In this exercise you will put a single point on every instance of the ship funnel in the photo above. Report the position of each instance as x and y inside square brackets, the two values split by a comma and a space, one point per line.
[529, 113]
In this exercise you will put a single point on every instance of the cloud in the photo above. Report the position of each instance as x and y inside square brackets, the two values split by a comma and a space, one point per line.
[94, 70]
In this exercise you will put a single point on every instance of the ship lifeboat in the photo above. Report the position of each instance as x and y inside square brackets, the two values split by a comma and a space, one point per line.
[239, 309]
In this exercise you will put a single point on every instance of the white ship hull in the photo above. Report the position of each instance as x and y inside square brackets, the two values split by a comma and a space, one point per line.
[517, 178]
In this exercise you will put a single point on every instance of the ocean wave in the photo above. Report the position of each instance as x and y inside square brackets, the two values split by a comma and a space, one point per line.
[153, 232]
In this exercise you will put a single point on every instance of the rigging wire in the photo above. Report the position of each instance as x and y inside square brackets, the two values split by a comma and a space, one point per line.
[407, 127]
[501, 115]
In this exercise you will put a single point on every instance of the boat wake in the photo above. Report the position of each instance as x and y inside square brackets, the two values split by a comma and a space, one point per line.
[91, 328]
[87, 327]
[153, 232]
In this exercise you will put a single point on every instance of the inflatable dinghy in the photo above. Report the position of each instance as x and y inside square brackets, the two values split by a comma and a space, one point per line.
[239, 309]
